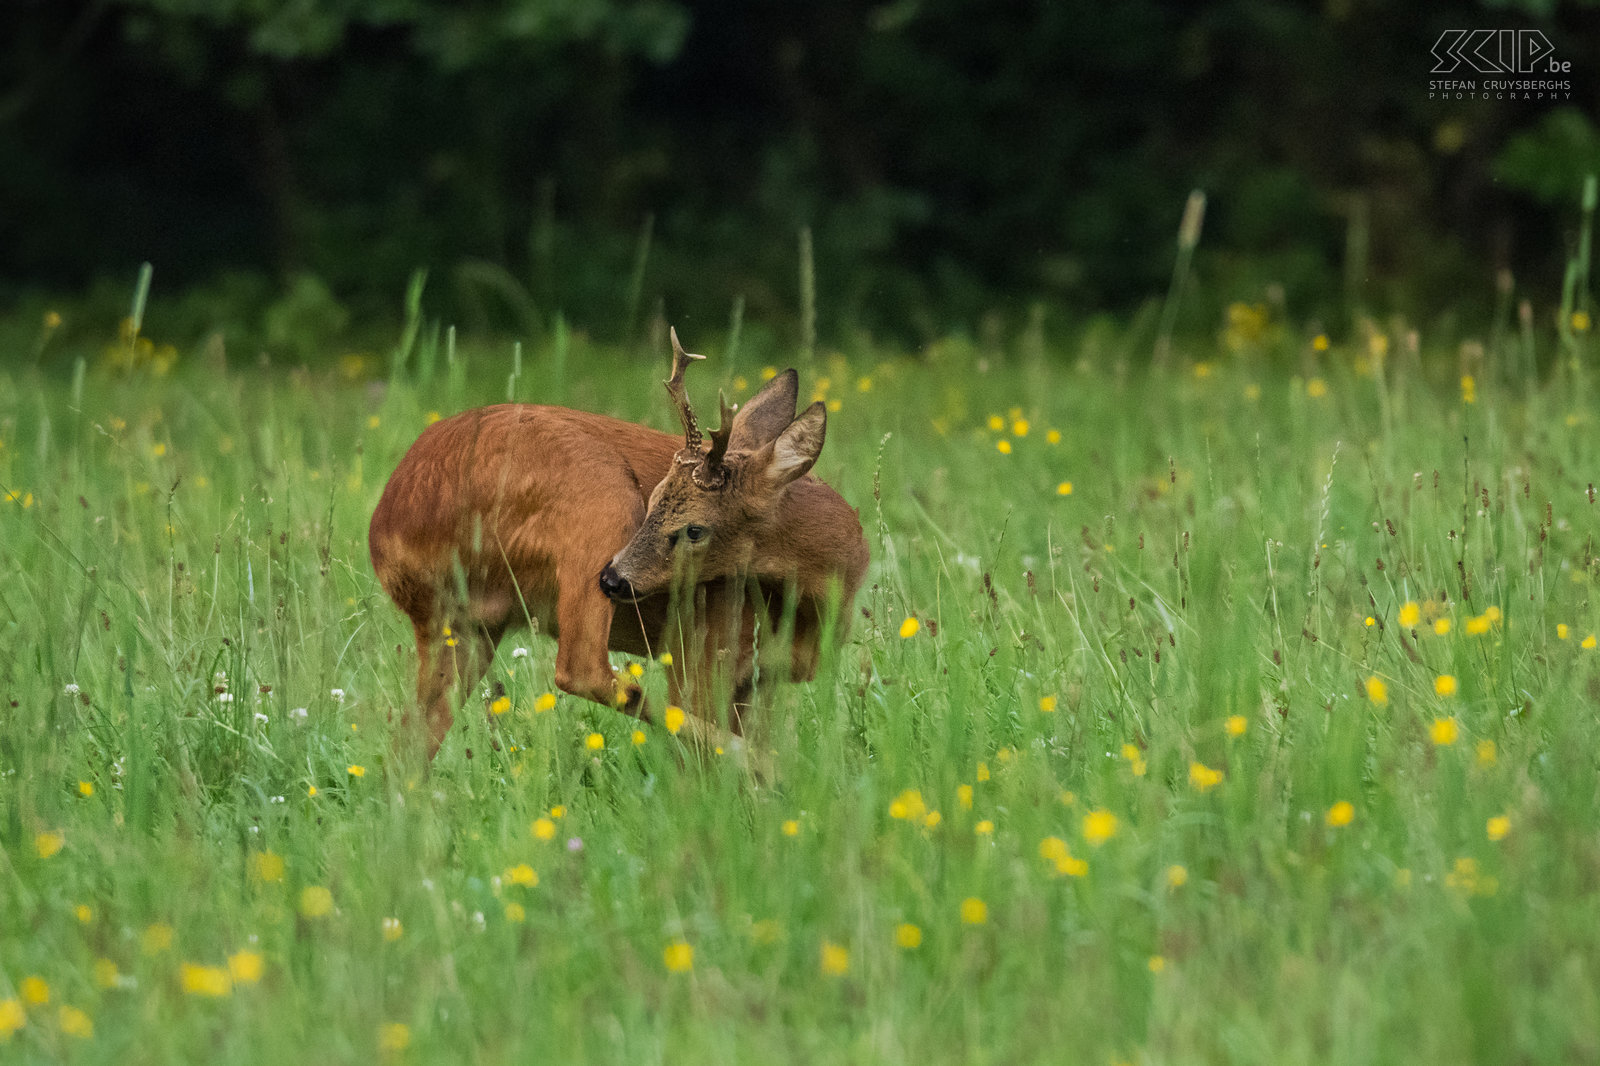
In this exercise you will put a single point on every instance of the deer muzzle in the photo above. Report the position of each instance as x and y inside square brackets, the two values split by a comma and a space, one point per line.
[615, 586]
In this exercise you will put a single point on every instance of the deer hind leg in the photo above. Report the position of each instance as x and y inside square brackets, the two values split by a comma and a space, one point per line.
[451, 659]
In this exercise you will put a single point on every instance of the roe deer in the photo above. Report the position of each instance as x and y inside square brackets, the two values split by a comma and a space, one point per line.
[613, 536]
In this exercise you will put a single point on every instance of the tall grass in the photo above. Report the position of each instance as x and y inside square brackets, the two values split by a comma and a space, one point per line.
[1164, 636]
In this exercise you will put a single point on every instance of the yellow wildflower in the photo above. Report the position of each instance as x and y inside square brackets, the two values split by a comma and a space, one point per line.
[543, 829]
[1053, 436]
[12, 1018]
[75, 1022]
[156, 938]
[35, 991]
[909, 628]
[1588, 643]
[501, 705]
[515, 912]
[1099, 826]
[1410, 614]
[208, 981]
[316, 901]
[522, 874]
[49, 843]
[791, 827]
[835, 959]
[1236, 725]
[672, 718]
[356, 771]
[678, 956]
[1047, 704]
[394, 1037]
[1177, 876]
[907, 936]
[1444, 731]
[1499, 826]
[1064, 489]
[984, 828]
[1487, 753]
[393, 930]
[105, 973]
[964, 797]
[267, 866]
[545, 702]
[908, 806]
[1135, 759]
[594, 741]
[974, 911]
[1441, 626]
[1377, 690]
[245, 967]
[1341, 814]
[1445, 685]
[1203, 777]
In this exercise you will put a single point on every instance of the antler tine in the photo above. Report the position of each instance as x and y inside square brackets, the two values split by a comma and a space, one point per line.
[680, 362]
[719, 437]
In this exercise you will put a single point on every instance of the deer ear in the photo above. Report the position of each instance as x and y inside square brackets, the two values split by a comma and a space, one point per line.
[766, 414]
[797, 447]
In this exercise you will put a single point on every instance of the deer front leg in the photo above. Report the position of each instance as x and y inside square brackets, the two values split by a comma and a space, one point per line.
[583, 661]
[692, 683]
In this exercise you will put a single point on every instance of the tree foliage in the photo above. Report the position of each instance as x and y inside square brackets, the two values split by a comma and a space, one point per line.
[950, 156]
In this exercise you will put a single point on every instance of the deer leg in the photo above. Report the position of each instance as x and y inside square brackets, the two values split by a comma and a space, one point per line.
[698, 678]
[583, 662]
[449, 662]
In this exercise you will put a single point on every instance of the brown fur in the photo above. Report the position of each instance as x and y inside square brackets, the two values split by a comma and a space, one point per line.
[511, 511]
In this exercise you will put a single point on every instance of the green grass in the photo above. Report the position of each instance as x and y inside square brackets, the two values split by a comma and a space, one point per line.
[1237, 541]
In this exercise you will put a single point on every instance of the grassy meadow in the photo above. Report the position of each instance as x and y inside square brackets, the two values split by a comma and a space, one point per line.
[1243, 711]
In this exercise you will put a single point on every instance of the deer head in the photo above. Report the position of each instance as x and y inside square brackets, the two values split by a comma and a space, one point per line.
[716, 505]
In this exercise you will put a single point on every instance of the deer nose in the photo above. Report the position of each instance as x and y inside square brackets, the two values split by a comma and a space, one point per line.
[614, 585]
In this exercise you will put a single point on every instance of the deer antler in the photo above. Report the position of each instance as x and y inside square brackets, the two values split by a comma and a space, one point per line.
[680, 362]
[711, 473]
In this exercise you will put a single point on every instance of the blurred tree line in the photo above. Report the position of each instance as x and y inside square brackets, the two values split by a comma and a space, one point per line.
[949, 158]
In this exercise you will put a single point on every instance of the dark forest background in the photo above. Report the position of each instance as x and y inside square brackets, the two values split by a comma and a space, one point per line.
[952, 160]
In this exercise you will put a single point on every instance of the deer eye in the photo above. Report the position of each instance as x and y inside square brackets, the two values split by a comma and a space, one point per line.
[696, 534]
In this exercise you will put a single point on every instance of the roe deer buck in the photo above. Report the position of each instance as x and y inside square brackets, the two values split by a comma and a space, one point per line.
[589, 525]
